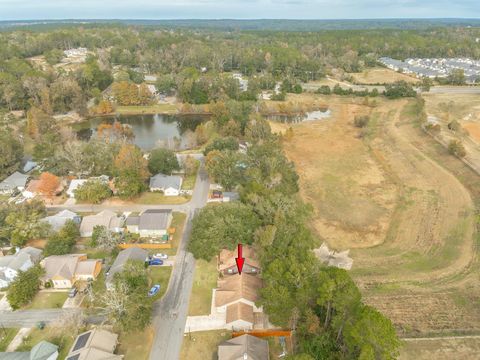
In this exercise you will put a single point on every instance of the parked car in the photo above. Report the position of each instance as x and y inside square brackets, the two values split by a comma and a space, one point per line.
[72, 293]
[155, 262]
[154, 290]
[160, 256]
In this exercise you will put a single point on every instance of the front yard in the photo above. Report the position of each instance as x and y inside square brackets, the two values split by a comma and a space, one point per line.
[6, 337]
[159, 275]
[136, 345]
[204, 281]
[202, 345]
[47, 300]
[62, 339]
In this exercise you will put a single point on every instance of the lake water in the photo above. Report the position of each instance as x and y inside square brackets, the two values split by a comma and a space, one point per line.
[150, 131]
[321, 114]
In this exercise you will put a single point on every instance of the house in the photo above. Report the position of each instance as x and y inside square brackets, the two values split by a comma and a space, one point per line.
[236, 296]
[151, 223]
[42, 351]
[96, 344]
[16, 181]
[170, 185]
[29, 166]
[245, 347]
[227, 265]
[74, 185]
[23, 260]
[57, 221]
[130, 254]
[105, 218]
[64, 270]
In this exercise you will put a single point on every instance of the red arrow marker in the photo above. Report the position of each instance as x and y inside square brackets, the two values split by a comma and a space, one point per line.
[240, 260]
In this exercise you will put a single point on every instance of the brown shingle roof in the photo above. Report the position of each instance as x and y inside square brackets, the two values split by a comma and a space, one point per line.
[240, 311]
[237, 287]
[236, 348]
[226, 259]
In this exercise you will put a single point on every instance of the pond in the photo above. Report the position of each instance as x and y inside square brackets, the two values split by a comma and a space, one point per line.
[150, 131]
[307, 116]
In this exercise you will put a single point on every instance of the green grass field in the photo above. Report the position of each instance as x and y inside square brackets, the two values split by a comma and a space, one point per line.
[48, 300]
[153, 109]
[204, 281]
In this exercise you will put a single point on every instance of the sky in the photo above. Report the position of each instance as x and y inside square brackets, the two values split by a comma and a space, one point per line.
[236, 9]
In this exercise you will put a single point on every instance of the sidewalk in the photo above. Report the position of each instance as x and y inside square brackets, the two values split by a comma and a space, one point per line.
[18, 339]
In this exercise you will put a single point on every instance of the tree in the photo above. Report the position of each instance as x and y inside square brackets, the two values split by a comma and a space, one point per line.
[163, 161]
[456, 77]
[190, 165]
[93, 191]
[61, 243]
[221, 226]
[11, 152]
[225, 167]
[223, 143]
[426, 84]
[104, 239]
[130, 158]
[48, 184]
[104, 107]
[24, 287]
[129, 184]
[399, 89]
[455, 147]
[127, 304]
[22, 222]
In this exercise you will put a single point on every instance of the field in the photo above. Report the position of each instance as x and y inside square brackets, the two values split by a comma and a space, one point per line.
[380, 76]
[402, 204]
[466, 348]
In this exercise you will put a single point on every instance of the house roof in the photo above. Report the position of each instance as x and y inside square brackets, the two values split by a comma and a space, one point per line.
[42, 351]
[133, 253]
[132, 220]
[96, 344]
[29, 166]
[13, 181]
[58, 220]
[226, 258]
[161, 181]
[105, 218]
[234, 288]
[240, 311]
[236, 349]
[68, 266]
[154, 219]
[15, 262]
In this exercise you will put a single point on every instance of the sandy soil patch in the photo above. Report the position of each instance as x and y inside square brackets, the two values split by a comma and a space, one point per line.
[473, 129]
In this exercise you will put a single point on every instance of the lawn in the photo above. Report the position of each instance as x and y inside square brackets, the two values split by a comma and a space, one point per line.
[54, 335]
[136, 346]
[202, 345]
[47, 300]
[153, 198]
[189, 182]
[159, 275]
[6, 337]
[153, 109]
[204, 281]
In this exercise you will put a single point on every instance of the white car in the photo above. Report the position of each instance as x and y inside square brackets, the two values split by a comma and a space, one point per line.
[161, 256]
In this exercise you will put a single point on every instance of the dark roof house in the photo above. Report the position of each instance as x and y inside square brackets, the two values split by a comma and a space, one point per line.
[96, 344]
[133, 253]
[245, 347]
[13, 182]
[42, 351]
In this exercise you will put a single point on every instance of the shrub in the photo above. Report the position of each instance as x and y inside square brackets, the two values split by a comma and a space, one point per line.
[454, 125]
[455, 147]
[361, 121]
[93, 191]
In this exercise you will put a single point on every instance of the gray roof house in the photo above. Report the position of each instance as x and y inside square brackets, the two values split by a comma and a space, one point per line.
[13, 182]
[96, 344]
[42, 351]
[23, 260]
[169, 184]
[151, 223]
[244, 347]
[133, 253]
[105, 218]
[57, 221]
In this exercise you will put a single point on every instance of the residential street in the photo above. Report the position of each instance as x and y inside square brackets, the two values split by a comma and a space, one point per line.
[170, 313]
[30, 318]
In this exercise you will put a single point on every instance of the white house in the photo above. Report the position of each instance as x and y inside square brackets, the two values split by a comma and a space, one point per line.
[57, 221]
[74, 185]
[170, 185]
[16, 181]
[151, 223]
[105, 218]
[23, 260]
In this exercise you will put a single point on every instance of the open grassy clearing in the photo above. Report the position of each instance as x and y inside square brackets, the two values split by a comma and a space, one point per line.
[202, 345]
[409, 222]
[136, 345]
[204, 281]
[48, 300]
[466, 348]
[6, 337]
[380, 76]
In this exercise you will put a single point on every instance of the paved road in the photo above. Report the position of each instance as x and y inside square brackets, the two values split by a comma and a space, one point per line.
[455, 90]
[170, 313]
[30, 318]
